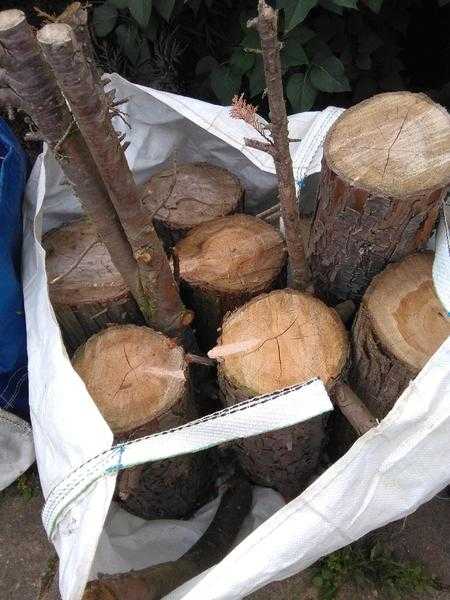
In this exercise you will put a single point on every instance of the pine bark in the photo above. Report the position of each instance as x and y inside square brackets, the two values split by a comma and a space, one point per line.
[32, 82]
[84, 92]
[140, 382]
[223, 264]
[382, 185]
[266, 345]
[267, 26]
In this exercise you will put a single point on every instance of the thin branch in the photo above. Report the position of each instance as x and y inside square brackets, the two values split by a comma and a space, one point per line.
[257, 145]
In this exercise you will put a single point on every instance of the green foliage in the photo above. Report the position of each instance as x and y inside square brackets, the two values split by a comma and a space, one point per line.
[374, 567]
[332, 51]
[25, 486]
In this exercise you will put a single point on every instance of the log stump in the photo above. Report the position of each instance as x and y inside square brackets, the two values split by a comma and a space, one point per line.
[385, 173]
[400, 324]
[139, 380]
[274, 341]
[189, 194]
[224, 263]
[86, 290]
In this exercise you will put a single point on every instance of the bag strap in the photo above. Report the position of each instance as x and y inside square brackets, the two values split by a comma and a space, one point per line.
[441, 264]
[251, 417]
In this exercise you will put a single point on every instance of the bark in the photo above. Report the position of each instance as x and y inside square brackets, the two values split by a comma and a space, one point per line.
[353, 409]
[267, 24]
[31, 80]
[186, 195]
[162, 306]
[365, 220]
[139, 380]
[267, 345]
[86, 291]
[223, 264]
[155, 582]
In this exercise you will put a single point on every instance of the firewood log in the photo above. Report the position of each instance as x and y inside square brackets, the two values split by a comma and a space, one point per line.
[385, 174]
[273, 341]
[139, 380]
[225, 262]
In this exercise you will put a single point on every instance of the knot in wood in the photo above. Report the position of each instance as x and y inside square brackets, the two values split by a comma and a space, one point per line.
[144, 255]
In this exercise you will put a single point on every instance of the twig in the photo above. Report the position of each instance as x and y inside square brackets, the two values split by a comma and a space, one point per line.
[200, 360]
[76, 263]
[353, 409]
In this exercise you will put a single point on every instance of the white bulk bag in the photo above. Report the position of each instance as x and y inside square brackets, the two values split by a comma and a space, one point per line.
[388, 473]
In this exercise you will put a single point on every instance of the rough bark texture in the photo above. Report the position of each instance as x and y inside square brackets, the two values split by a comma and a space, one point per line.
[224, 263]
[400, 324]
[84, 92]
[273, 341]
[31, 80]
[353, 409]
[365, 220]
[186, 195]
[155, 582]
[267, 26]
[139, 381]
[89, 294]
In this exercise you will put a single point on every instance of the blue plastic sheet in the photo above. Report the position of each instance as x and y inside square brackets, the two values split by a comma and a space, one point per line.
[13, 347]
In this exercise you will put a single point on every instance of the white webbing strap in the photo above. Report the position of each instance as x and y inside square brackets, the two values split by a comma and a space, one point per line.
[441, 264]
[252, 417]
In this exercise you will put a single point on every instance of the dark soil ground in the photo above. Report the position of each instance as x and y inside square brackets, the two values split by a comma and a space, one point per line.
[25, 553]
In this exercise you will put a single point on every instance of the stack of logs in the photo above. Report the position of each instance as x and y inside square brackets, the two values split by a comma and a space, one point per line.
[128, 280]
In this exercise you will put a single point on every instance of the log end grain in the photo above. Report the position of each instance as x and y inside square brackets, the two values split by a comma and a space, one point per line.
[133, 373]
[94, 278]
[192, 194]
[279, 339]
[10, 19]
[405, 313]
[54, 34]
[238, 254]
[394, 144]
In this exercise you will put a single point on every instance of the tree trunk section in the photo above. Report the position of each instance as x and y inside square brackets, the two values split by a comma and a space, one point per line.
[274, 341]
[184, 196]
[162, 306]
[222, 264]
[86, 290]
[139, 380]
[400, 324]
[385, 173]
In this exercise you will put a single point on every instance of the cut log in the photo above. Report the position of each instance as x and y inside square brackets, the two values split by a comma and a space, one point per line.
[155, 582]
[189, 194]
[86, 290]
[400, 324]
[385, 172]
[139, 380]
[274, 341]
[224, 263]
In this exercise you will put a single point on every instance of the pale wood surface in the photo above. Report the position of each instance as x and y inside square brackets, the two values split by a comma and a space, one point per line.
[397, 144]
[134, 374]
[279, 339]
[234, 254]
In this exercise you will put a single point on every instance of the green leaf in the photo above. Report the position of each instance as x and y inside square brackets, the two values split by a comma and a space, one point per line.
[328, 75]
[119, 3]
[225, 84]
[329, 5]
[141, 11]
[347, 3]
[151, 31]
[317, 49]
[104, 19]
[301, 35]
[241, 62]
[165, 8]
[127, 39]
[292, 55]
[256, 80]
[205, 65]
[300, 92]
[375, 5]
[295, 11]
[251, 40]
